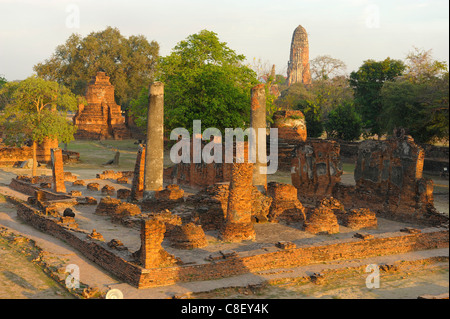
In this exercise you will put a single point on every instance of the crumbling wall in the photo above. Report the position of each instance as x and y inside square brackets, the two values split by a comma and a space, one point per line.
[316, 169]
[210, 206]
[388, 176]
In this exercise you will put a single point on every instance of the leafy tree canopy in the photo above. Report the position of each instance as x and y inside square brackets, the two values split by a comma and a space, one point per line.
[130, 62]
[344, 122]
[36, 111]
[204, 80]
[422, 108]
[367, 83]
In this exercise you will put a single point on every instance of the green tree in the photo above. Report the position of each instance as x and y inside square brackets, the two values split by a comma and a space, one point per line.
[421, 108]
[313, 117]
[206, 80]
[130, 62]
[344, 122]
[2, 81]
[367, 83]
[418, 100]
[36, 111]
[293, 95]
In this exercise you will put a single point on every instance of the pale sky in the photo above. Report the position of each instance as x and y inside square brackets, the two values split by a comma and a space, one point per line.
[350, 30]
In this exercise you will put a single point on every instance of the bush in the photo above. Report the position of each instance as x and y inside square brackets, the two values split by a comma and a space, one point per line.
[344, 123]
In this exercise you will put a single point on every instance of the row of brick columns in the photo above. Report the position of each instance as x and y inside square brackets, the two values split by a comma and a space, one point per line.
[238, 225]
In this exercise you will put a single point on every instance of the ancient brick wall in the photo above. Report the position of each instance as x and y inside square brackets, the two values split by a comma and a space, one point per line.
[388, 176]
[316, 169]
[352, 248]
[11, 156]
[386, 244]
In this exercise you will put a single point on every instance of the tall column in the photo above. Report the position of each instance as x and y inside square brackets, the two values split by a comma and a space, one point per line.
[154, 155]
[152, 235]
[137, 186]
[257, 121]
[238, 222]
[58, 170]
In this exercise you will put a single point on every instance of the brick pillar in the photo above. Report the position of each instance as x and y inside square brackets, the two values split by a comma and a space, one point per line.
[58, 171]
[152, 235]
[257, 121]
[137, 186]
[154, 157]
[238, 225]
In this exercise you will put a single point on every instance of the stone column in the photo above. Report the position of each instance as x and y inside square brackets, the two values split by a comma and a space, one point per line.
[154, 155]
[58, 170]
[238, 224]
[152, 235]
[257, 121]
[137, 185]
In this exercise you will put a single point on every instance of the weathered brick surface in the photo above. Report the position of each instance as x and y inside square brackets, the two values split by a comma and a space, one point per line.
[152, 255]
[285, 204]
[58, 171]
[108, 190]
[322, 220]
[171, 192]
[30, 189]
[210, 206]
[123, 193]
[79, 182]
[389, 180]
[101, 117]
[316, 169]
[291, 125]
[110, 174]
[360, 218]
[188, 236]
[93, 186]
[298, 66]
[353, 248]
[116, 208]
[238, 225]
[137, 185]
[11, 156]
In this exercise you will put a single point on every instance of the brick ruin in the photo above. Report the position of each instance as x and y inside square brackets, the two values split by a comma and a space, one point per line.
[14, 156]
[389, 184]
[238, 225]
[298, 66]
[389, 180]
[101, 118]
[316, 169]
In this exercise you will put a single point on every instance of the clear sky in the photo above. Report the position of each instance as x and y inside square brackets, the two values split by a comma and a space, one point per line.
[350, 30]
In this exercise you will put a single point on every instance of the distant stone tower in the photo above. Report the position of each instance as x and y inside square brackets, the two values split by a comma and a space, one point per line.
[298, 66]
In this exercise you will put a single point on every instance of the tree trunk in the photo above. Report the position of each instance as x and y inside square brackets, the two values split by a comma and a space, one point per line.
[34, 169]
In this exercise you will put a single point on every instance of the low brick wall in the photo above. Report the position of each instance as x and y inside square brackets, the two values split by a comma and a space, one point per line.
[108, 260]
[395, 243]
[352, 248]
[29, 189]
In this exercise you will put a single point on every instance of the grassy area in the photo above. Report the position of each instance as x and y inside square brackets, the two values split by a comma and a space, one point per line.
[94, 154]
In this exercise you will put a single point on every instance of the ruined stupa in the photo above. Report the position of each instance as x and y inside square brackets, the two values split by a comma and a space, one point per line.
[298, 66]
[101, 118]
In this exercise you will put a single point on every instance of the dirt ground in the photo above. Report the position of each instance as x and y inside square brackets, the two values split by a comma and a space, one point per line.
[20, 278]
[26, 280]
